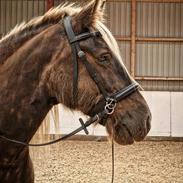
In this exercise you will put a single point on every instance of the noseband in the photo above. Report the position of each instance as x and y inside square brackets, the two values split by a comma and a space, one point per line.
[110, 100]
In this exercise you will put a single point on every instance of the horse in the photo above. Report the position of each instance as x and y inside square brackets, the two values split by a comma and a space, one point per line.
[36, 73]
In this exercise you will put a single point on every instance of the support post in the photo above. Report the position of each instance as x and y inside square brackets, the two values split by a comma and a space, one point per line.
[133, 37]
[50, 4]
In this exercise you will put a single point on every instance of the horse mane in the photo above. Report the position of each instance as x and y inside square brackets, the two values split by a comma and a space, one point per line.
[54, 15]
[26, 30]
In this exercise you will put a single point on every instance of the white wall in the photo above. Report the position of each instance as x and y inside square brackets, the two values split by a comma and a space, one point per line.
[176, 114]
[159, 103]
[167, 113]
[167, 116]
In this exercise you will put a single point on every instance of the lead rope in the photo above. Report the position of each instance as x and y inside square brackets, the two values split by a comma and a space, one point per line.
[112, 155]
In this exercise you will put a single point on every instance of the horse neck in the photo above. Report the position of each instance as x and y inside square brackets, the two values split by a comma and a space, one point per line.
[20, 80]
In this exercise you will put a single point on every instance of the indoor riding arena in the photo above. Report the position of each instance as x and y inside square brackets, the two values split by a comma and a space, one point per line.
[149, 34]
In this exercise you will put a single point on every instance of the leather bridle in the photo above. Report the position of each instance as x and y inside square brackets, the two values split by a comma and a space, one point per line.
[110, 100]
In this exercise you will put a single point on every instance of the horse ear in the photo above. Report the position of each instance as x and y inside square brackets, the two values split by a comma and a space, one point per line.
[102, 5]
[89, 14]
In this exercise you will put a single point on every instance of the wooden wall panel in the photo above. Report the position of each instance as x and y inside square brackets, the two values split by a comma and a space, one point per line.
[13, 12]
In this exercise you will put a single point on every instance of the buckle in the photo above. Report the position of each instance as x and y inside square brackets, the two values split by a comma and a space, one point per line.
[110, 105]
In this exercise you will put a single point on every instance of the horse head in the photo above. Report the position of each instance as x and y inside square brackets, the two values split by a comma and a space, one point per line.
[131, 118]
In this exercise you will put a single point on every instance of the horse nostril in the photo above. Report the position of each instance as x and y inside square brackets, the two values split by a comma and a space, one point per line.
[148, 123]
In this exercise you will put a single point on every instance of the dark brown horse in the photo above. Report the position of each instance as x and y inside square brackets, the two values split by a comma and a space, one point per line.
[36, 72]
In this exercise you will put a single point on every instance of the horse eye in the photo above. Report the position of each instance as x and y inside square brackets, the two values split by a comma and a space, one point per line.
[105, 59]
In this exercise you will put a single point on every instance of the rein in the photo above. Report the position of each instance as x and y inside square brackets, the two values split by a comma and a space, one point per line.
[110, 100]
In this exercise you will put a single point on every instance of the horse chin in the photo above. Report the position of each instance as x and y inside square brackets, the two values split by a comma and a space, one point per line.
[124, 134]
[124, 137]
[121, 136]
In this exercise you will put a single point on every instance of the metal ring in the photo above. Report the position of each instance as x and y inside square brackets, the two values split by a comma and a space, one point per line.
[109, 110]
[110, 104]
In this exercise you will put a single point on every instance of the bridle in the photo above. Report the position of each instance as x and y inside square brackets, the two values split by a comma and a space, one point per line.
[110, 100]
